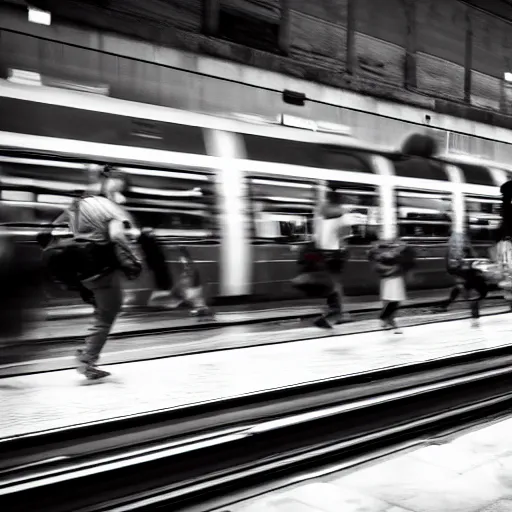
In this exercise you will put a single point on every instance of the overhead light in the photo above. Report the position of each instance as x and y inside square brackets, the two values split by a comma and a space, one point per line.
[508, 77]
[38, 16]
[340, 129]
[22, 77]
[308, 124]
[76, 86]
[297, 122]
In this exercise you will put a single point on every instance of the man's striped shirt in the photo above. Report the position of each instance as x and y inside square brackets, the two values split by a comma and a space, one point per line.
[90, 217]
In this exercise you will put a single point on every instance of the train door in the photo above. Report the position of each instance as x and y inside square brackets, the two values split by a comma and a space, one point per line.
[425, 211]
[180, 206]
[482, 206]
[360, 203]
[483, 219]
[282, 212]
[424, 221]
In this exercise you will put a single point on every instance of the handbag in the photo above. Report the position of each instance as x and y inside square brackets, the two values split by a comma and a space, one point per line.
[314, 284]
[313, 279]
[72, 260]
[490, 271]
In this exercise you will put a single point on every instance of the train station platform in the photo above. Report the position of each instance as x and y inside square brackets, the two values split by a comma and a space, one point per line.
[55, 399]
[80, 310]
[65, 323]
[470, 471]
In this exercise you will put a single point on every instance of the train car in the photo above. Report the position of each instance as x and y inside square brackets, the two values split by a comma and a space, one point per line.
[241, 194]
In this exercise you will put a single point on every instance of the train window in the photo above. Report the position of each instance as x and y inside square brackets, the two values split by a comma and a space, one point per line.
[174, 203]
[283, 151]
[424, 215]
[362, 211]
[476, 174]
[43, 175]
[483, 217]
[36, 191]
[282, 210]
[417, 167]
[335, 157]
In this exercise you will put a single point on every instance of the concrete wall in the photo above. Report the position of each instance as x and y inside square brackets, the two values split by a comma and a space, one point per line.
[443, 48]
[424, 47]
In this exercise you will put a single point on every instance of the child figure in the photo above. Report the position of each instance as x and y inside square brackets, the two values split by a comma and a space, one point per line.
[392, 260]
[189, 289]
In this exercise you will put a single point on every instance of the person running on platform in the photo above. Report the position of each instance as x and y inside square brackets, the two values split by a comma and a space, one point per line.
[459, 264]
[98, 219]
[501, 253]
[330, 236]
[393, 260]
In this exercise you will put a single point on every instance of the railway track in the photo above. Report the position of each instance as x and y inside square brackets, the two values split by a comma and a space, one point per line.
[172, 458]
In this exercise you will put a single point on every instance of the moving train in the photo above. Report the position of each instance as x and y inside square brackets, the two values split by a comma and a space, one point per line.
[238, 192]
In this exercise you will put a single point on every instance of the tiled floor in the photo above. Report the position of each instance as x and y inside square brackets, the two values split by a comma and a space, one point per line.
[52, 400]
[471, 473]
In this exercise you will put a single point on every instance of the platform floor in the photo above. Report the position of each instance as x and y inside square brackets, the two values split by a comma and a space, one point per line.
[62, 326]
[468, 472]
[59, 355]
[31, 403]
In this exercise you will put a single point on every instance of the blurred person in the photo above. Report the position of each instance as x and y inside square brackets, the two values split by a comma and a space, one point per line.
[158, 266]
[459, 262]
[189, 288]
[393, 260]
[105, 182]
[330, 234]
[99, 251]
[501, 253]
[21, 293]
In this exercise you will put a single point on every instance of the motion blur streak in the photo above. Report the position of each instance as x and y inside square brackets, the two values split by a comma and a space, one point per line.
[20, 295]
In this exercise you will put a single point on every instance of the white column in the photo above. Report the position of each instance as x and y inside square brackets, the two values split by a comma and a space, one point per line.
[388, 214]
[458, 204]
[235, 251]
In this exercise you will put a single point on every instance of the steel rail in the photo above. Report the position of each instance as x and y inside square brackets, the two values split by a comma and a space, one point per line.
[48, 446]
[182, 469]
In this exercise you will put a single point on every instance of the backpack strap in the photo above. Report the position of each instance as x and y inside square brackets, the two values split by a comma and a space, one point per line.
[75, 208]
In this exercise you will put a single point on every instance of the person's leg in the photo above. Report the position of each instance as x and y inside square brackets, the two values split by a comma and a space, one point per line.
[454, 294]
[388, 311]
[334, 314]
[108, 303]
[334, 305]
[477, 282]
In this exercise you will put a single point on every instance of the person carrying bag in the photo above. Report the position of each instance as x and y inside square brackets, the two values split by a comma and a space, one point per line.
[393, 261]
[313, 279]
[92, 262]
[323, 259]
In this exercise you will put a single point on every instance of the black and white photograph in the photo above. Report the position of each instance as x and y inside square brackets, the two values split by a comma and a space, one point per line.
[256, 255]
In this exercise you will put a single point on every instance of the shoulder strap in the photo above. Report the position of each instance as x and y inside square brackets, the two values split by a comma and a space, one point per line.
[75, 208]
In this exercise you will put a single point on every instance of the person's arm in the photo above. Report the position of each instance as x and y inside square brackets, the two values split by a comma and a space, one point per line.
[128, 259]
[117, 233]
[344, 229]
